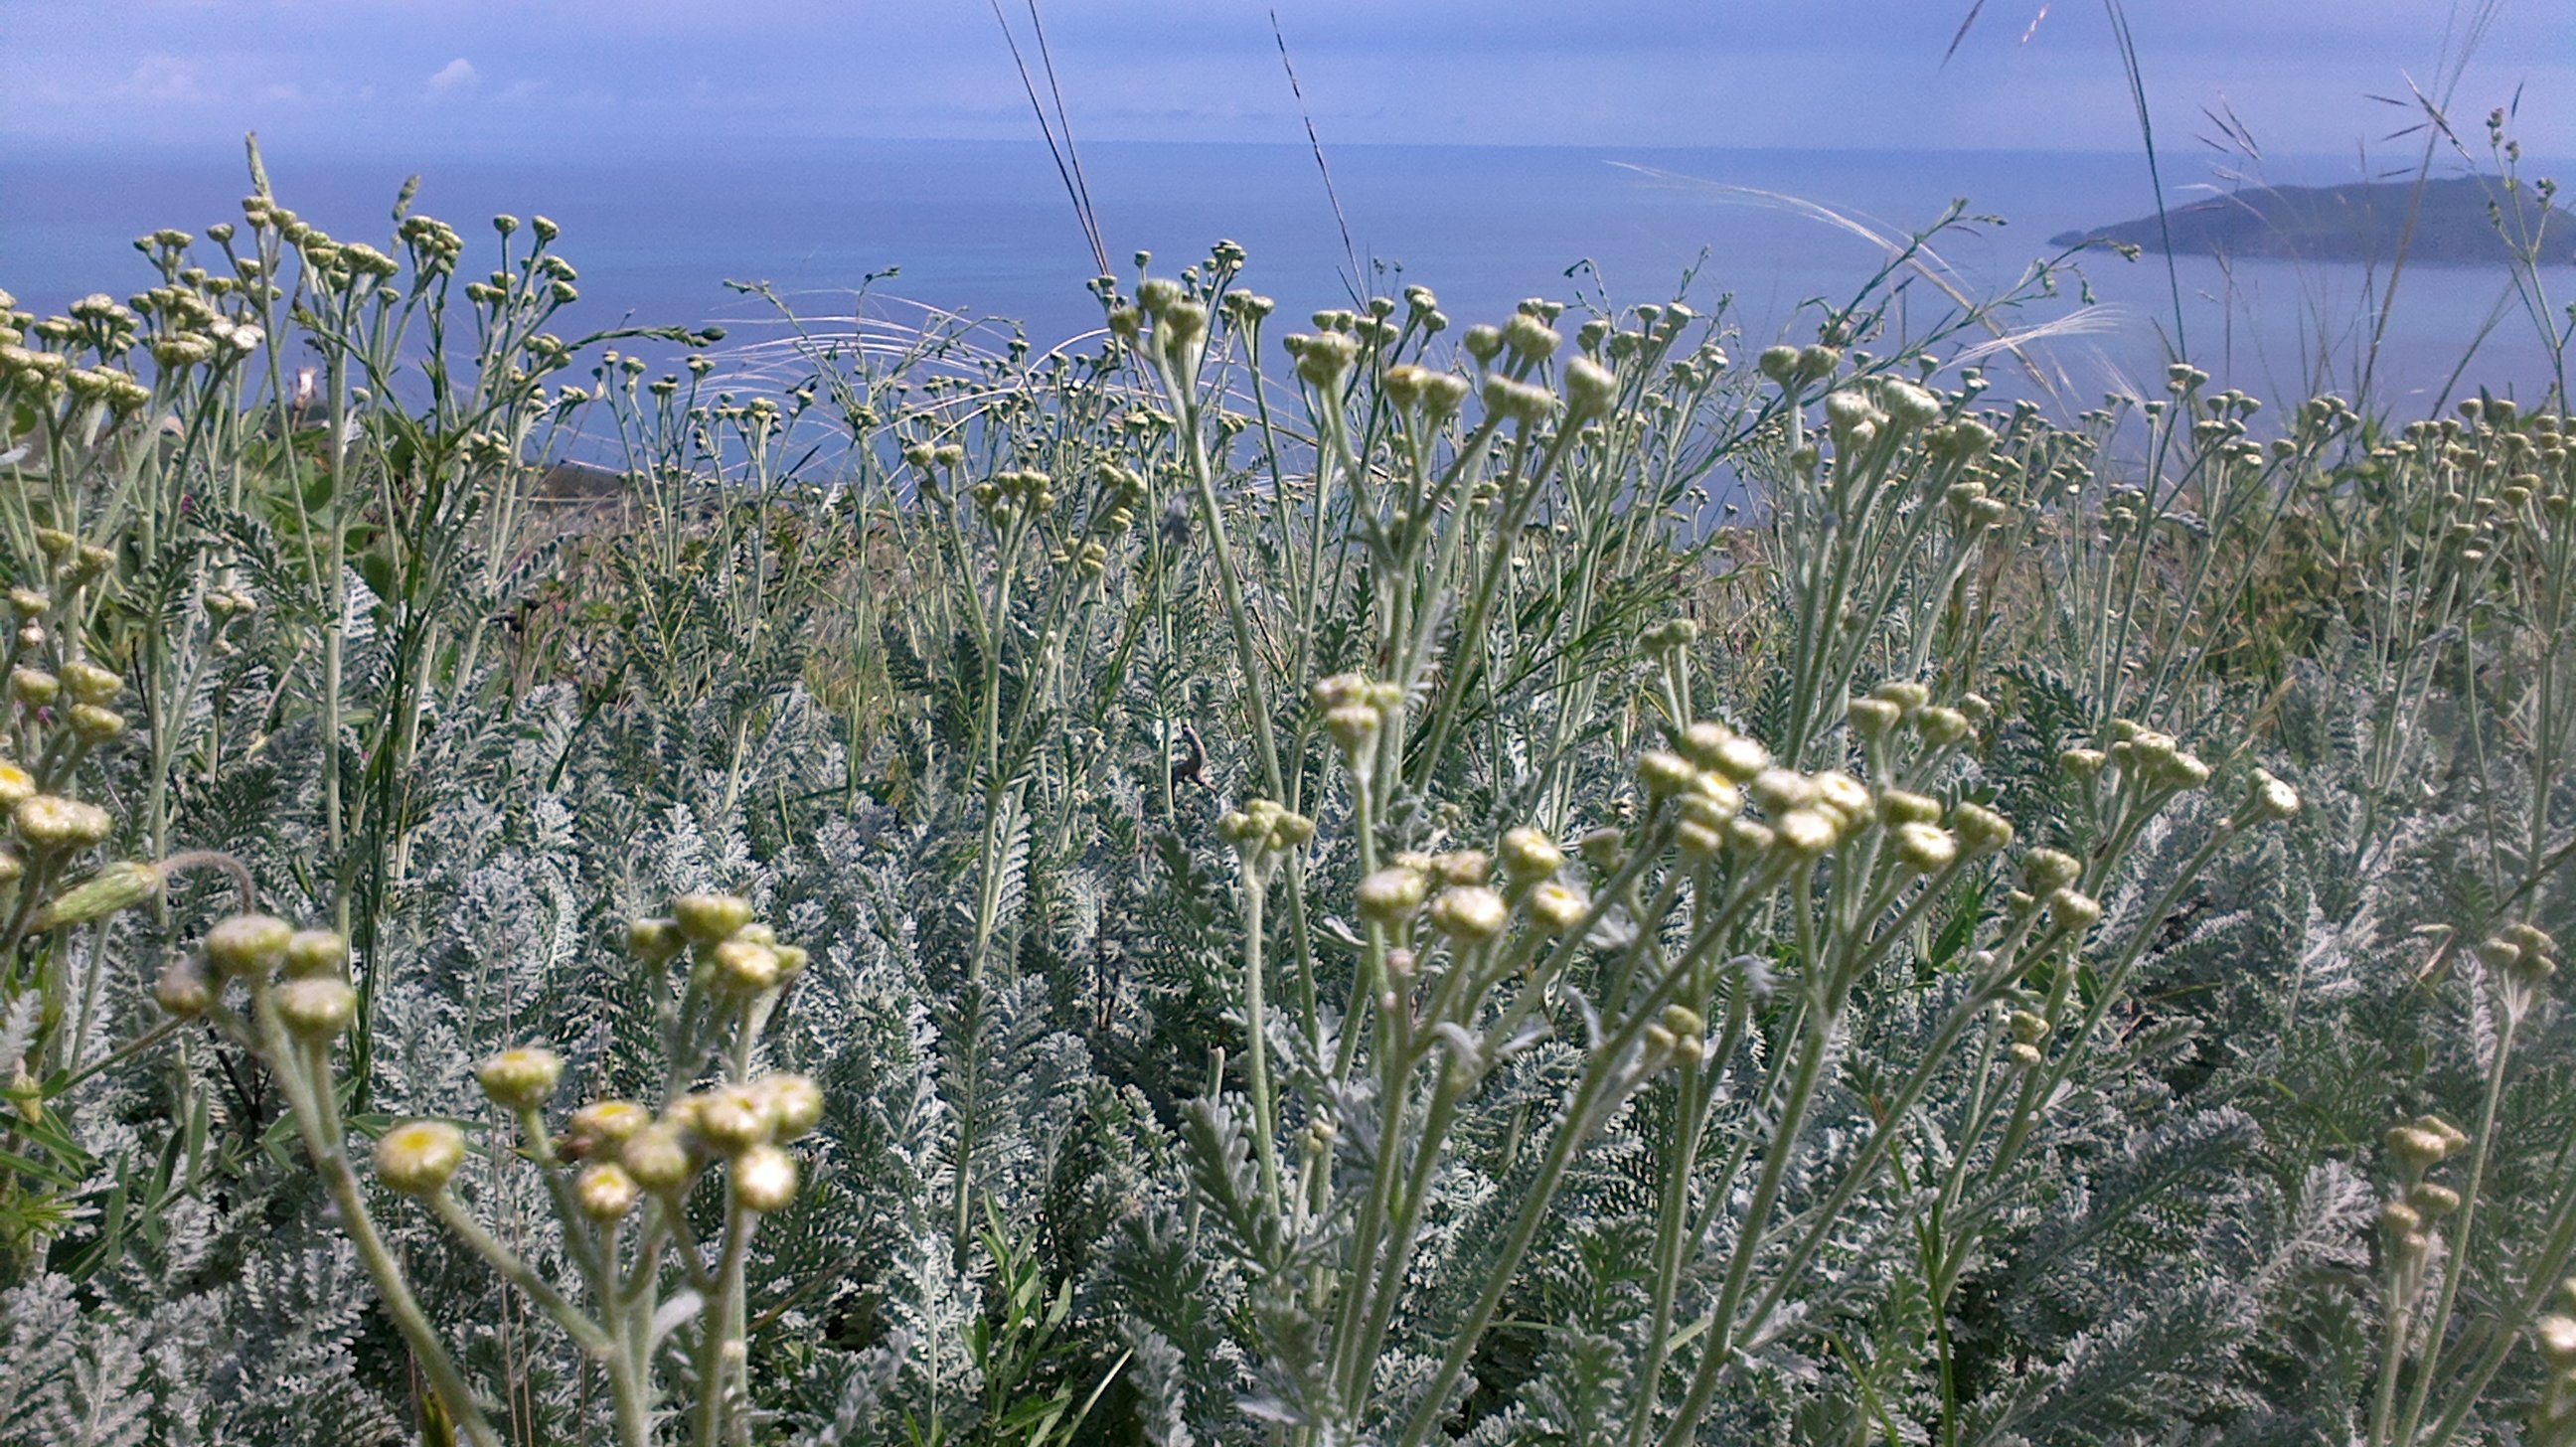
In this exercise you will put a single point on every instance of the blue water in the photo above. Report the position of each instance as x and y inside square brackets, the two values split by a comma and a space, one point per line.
[985, 228]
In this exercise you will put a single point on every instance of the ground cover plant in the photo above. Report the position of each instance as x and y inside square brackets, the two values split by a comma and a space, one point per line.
[1568, 877]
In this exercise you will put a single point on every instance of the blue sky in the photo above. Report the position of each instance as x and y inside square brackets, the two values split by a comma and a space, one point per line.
[464, 77]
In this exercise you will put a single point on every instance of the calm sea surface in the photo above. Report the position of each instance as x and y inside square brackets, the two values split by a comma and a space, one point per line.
[985, 228]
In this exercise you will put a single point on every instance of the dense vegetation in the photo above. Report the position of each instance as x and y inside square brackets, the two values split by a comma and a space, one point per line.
[1244, 883]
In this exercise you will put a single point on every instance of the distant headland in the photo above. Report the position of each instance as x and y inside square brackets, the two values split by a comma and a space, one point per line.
[2454, 223]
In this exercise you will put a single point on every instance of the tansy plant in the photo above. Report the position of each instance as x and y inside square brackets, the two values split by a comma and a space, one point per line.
[659, 1202]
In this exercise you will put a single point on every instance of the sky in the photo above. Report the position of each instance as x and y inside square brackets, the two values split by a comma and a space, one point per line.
[754, 78]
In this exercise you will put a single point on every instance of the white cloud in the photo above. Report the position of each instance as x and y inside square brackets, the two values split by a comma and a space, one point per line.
[164, 78]
[454, 78]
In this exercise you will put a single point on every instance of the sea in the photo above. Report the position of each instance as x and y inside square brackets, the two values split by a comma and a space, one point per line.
[910, 230]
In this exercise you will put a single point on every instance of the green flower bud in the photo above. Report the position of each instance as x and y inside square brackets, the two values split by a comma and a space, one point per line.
[89, 683]
[34, 687]
[2047, 870]
[316, 1010]
[418, 1158]
[1556, 907]
[1807, 832]
[1529, 856]
[605, 1192]
[603, 1124]
[520, 1078]
[95, 725]
[2071, 910]
[707, 918]
[1590, 388]
[50, 823]
[1897, 806]
[794, 1104]
[1848, 797]
[1470, 914]
[1981, 830]
[1662, 774]
[1781, 790]
[1925, 848]
[2556, 1338]
[116, 887]
[184, 990]
[247, 945]
[316, 952]
[655, 941]
[2273, 799]
[742, 967]
[764, 1179]
[657, 1157]
[1872, 717]
[1390, 896]
[730, 1119]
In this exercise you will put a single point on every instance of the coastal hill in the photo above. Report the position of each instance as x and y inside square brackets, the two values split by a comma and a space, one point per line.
[2363, 221]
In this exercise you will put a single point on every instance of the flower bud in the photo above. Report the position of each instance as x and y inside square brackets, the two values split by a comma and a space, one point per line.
[605, 1192]
[794, 1104]
[1556, 907]
[655, 941]
[247, 945]
[116, 887]
[2274, 799]
[34, 687]
[1529, 856]
[50, 823]
[316, 1010]
[742, 967]
[1590, 388]
[602, 1124]
[707, 918]
[95, 725]
[519, 1079]
[1390, 896]
[764, 1179]
[1699, 841]
[2556, 1337]
[1780, 790]
[1661, 773]
[1897, 806]
[1807, 831]
[1469, 914]
[2046, 870]
[730, 1119]
[1981, 830]
[16, 785]
[1925, 848]
[2433, 1200]
[316, 952]
[1354, 727]
[1740, 758]
[1941, 726]
[1871, 717]
[184, 990]
[2072, 910]
[418, 1158]
[657, 1157]
[1846, 796]
[89, 683]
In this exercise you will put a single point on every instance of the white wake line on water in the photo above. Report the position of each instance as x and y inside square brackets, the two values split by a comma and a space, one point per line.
[1920, 258]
